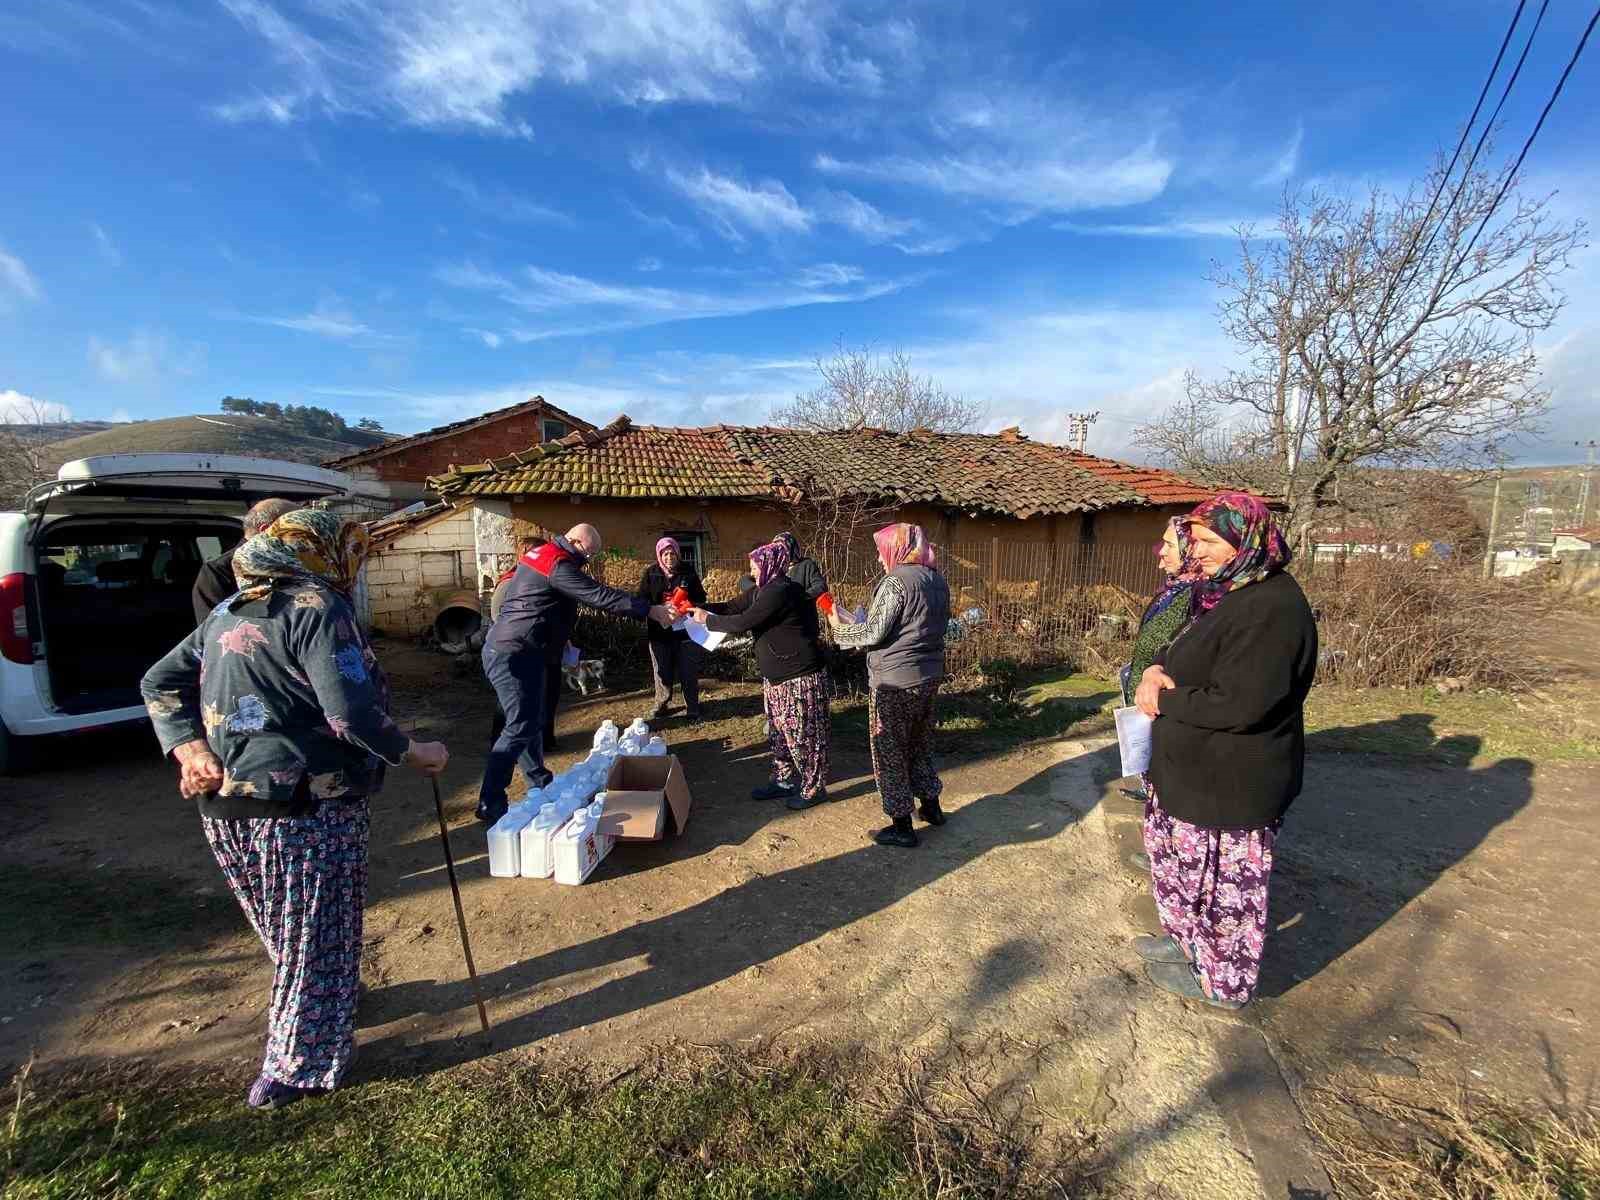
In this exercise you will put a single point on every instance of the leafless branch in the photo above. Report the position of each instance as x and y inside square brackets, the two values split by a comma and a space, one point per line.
[861, 387]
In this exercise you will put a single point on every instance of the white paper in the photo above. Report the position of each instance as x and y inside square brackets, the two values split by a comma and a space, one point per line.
[699, 634]
[1133, 739]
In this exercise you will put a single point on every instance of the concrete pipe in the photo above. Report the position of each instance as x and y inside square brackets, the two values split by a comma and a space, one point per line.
[456, 619]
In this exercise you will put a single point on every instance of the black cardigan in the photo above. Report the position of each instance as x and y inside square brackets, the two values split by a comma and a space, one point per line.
[784, 621]
[1229, 746]
[655, 586]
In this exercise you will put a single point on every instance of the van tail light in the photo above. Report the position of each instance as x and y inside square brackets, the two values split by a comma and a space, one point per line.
[16, 632]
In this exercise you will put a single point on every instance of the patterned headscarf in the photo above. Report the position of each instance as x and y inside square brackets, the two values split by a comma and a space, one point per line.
[302, 545]
[662, 546]
[1178, 584]
[769, 562]
[1246, 524]
[901, 544]
[791, 544]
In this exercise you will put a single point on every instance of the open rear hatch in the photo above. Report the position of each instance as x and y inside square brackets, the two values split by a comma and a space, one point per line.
[118, 541]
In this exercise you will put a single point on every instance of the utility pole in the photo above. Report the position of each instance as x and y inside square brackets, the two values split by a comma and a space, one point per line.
[1584, 487]
[1078, 428]
[1494, 524]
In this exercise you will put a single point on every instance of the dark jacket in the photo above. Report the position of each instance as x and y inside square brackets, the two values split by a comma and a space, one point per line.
[213, 585]
[656, 585]
[905, 629]
[784, 621]
[809, 576]
[541, 602]
[289, 696]
[1229, 746]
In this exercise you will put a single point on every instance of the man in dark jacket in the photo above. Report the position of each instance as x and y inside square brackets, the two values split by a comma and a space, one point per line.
[216, 583]
[537, 615]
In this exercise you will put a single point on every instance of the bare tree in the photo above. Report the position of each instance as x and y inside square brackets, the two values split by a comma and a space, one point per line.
[1394, 331]
[26, 429]
[861, 387]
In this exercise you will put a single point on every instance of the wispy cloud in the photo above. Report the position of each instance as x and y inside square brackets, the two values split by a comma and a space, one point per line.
[16, 408]
[575, 304]
[1026, 152]
[108, 248]
[736, 208]
[649, 263]
[16, 279]
[862, 218]
[1283, 167]
[500, 203]
[327, 320]
[1177, 228]
[145, 357]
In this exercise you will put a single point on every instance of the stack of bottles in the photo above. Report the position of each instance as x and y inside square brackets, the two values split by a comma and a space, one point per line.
[524, 841]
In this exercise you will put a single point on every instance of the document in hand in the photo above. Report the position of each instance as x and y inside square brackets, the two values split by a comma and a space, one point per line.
[699, 634]
[1133, 739]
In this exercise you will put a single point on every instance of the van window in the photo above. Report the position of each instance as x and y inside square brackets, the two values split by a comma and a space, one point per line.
[209, 546]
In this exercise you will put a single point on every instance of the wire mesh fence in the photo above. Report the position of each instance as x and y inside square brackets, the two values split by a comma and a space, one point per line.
[1031, 603]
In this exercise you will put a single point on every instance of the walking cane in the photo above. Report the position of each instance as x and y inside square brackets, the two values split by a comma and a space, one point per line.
[455, 891]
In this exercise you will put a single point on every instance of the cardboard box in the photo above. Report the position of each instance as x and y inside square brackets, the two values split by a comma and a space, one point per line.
[646, 797]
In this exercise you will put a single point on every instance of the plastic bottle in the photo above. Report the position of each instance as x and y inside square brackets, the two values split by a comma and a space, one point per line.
[639, 728]
[656, 747]
[538, 853]
[606, 734]
[505, 837]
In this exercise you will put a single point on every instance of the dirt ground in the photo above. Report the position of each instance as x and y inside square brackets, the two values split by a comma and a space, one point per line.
[1423, 924]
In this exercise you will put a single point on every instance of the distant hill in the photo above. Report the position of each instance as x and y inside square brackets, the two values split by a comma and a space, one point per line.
[222, 434]
[53, 431]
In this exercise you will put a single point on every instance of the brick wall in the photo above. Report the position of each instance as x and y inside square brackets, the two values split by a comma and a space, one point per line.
[408, 577]
[414, 464]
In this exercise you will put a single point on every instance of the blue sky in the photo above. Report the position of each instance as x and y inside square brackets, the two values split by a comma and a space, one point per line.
[414, 210]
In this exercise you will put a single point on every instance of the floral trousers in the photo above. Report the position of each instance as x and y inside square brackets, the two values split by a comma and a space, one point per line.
[901, 724]
[798, 728]
[302, 882]
[1210, 888]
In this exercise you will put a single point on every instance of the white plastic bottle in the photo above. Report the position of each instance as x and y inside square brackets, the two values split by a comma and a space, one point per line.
[657, 747]
[505, 837]
[606, 734]
[538, 843]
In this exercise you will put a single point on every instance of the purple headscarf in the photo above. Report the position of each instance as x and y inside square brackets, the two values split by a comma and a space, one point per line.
[769, 562]
[665, 544]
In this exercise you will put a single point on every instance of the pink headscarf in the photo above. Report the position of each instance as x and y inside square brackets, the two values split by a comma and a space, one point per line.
[662, 545]
[769, 562]
[903, 544]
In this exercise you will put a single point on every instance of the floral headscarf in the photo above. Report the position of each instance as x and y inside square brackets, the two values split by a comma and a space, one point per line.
[306, 544]
[791, 544]
[1188, 574]
[903, 544]
[769, 562]
[662, 547]
[1246, 524]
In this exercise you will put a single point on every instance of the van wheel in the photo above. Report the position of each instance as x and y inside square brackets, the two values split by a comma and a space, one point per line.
[13, 752]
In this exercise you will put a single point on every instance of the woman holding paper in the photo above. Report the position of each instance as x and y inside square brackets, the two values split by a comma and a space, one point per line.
[904, 637]
[794, 685]
[1228, 751]
[1168, 610]
[673, 657]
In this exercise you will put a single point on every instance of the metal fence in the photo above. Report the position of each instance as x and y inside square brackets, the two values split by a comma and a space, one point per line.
[1032, 603]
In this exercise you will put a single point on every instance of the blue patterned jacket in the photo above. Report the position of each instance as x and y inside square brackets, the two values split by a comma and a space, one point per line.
[290, 697]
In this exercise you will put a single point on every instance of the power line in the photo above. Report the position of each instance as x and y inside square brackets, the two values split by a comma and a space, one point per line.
[1538, 125]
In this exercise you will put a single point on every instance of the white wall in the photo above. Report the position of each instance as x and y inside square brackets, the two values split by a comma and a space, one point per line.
[409, 576]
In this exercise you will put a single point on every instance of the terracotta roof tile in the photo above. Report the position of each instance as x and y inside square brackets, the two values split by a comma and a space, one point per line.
[995, 473]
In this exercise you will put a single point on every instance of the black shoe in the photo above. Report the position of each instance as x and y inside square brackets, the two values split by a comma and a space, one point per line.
[692, 716]
[772, 791]
[932, 813]
[1180, 980]
[800, 803]
[490, 813]
[1139, 860]
[1162, 949]
[899, 834]
[656, 713]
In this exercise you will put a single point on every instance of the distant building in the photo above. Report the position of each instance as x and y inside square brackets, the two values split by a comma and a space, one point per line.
[1576, 539]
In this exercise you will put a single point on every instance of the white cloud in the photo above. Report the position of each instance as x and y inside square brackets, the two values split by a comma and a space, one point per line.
[328, 320]
[16, 408]
[106, 246]
[735, 207]
[1028, 151]
[500, 203]
[649, 263]
[120, 416]
[488, 337]
[144, 358]
[16, 278]
[1259, 227]
[1287, 163]
[573, 304]
[862, 218]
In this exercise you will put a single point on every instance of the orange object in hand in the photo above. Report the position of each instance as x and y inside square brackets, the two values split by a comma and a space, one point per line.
[679, 600]
[825, 603]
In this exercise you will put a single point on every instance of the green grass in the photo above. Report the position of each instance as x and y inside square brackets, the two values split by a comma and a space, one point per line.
[1458, 729]
[683, 1124]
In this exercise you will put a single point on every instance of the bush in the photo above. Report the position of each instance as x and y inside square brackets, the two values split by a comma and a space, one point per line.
[1002, 681]
[1405, 622]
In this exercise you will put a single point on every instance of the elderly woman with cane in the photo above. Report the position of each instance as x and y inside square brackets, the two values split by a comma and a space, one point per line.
[278, 717]
[904, 638]
[1228, 696]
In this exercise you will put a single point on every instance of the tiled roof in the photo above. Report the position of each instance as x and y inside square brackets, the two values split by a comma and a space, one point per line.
[1003, 473]
[535, 403]
[404, 520]
[622, 460]
[1584, 533]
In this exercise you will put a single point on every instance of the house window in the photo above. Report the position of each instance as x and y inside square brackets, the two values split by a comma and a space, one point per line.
[552, 429]
[690, 548]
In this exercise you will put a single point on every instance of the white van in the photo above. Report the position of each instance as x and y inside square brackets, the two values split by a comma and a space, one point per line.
[96, 574]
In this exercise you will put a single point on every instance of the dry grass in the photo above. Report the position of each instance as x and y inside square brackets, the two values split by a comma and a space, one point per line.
[1402, 1140]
